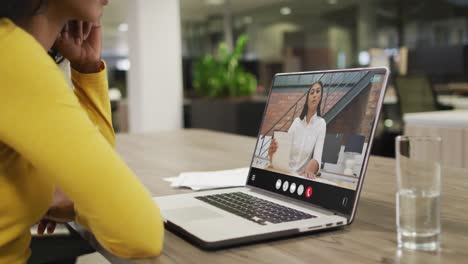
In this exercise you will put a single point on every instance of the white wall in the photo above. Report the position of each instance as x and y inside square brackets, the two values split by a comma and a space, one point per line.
[155, 76]
[366, 24]
[269, 40]
[340, 42]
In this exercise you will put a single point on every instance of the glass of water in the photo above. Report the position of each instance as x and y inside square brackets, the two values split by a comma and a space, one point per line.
[418, 192]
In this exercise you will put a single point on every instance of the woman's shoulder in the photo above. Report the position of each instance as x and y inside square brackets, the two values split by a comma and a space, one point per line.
[295, 123]
[24, 62]
[6, 26]
[321, 121]
[297, 119]
[20, 51]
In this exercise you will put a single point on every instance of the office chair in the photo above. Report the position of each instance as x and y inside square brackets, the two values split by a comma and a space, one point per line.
[332, 148]
[354, 144]
[415, 94]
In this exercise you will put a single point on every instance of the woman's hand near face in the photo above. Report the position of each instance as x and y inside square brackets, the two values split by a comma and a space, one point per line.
[80, 42]
[272, 149]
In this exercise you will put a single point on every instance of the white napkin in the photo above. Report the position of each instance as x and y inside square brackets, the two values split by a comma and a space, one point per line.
[203, 180]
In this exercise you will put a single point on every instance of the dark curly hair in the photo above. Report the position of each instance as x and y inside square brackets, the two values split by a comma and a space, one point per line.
[17, 10]
[306, 104]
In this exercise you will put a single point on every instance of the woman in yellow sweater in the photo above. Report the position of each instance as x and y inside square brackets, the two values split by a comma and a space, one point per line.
[54, 138]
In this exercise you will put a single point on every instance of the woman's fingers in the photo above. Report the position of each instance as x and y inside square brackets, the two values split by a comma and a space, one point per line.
[308, 175]
[41, 227]
[65, 34]
[51, 227]
[87, 27]
[94, 36]
[79, 32]
[272, 149]
[72, 29]
[63, 37]
[273, 146]
[46, 225]
[76, 31]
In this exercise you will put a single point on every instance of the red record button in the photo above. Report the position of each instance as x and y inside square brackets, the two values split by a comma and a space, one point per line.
[308, 192]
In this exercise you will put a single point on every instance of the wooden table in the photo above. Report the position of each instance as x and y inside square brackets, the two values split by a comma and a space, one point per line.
[370, 239]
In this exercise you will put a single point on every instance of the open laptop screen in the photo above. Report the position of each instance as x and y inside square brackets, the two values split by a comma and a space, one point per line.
[315, 136]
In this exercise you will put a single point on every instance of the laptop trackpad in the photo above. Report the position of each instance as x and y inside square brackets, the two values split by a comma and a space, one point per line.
[193, 213]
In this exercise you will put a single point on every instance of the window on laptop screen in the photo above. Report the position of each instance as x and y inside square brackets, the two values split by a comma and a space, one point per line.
[315, 135]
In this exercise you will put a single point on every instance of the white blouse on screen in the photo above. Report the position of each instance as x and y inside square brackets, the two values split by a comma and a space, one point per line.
[308, 140]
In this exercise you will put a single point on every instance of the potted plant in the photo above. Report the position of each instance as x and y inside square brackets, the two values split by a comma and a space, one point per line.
[224, 76]
[225, 90]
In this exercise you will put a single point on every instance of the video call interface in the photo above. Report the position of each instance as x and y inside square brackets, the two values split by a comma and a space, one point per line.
[317, 128]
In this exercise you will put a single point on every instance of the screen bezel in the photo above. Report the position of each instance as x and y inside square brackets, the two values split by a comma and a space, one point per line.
[378, 70]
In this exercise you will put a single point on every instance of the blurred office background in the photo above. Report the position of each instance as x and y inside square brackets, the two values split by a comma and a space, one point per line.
[154, 48]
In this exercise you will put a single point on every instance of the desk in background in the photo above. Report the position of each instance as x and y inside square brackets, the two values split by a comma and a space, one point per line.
[458, 88]
[451, 126]
[370, 239]
[458, 102]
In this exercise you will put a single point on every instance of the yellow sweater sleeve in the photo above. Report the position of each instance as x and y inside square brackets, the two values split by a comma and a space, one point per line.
[93, 95]
[42, 120]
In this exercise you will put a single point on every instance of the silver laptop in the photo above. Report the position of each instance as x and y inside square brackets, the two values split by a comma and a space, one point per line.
[313, 192]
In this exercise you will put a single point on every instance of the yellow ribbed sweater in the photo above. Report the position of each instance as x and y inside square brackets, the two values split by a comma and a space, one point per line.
[52, 136]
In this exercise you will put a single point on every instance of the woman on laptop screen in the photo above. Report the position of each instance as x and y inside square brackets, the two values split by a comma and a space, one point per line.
[308, 136]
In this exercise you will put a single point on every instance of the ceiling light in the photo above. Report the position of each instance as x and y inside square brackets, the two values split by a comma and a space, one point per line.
[285, 11]
[214, 2]
[123, 27]
[123, 65]
[333, 2]
[364, 58]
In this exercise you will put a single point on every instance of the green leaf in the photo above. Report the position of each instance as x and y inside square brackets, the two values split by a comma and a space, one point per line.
[224, 76]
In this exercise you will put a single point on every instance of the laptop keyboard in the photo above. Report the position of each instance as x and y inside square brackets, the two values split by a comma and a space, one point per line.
[254, 209]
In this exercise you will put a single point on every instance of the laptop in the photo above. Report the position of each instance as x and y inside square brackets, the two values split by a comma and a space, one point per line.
[275, 204]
